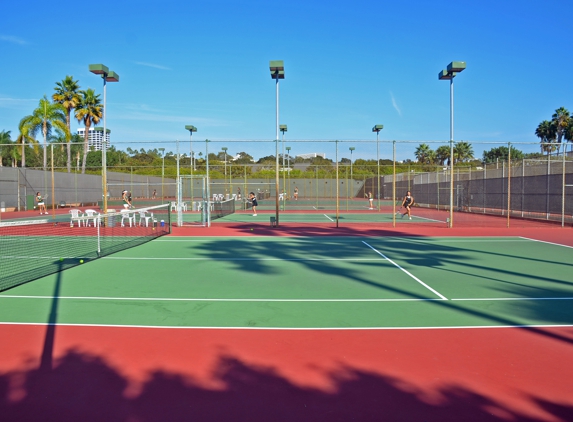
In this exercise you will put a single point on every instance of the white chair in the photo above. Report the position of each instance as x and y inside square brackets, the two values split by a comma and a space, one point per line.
[75, 217]
[184, 206]
[92, 214]
[143, 217]
[173, 205]
[221, 197]
[215, 197]
[127, 214]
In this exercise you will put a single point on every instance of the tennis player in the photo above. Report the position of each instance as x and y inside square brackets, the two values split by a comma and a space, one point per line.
[41, 204]
[125, 199]
[407, 203]
[295, 193]
[254, 203]
[370, 201]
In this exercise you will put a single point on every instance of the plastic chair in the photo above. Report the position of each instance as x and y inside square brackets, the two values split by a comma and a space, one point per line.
[75, 217]
[143, 217]
[92, 214]
[184, 206]
[173, 205]
[127, 214]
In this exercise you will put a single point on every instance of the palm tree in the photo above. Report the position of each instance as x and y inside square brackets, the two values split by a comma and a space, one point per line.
[422, 153]
[24, 139]
[5, 145]
[546, 132]
[88, 111]
[46, 117]
[67, 94]
[463, 151]
[560, 120]
[442, 154]
[568, 134]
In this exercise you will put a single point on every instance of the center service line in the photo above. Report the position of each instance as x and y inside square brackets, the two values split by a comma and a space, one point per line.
[411, 275]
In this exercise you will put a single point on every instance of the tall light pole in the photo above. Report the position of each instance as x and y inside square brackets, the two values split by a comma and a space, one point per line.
[283, 129]
[351, 150]
[191, 129]
[107, 76]
[162, 171]
[224, 149]
[448, 75]
[288, 165]
[377, 129]
[277, 72]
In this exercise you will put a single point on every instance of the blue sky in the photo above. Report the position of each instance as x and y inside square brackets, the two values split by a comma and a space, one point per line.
[349, 65]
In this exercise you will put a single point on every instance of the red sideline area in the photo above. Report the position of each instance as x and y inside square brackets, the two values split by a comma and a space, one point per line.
[153, 374]
[146, 374]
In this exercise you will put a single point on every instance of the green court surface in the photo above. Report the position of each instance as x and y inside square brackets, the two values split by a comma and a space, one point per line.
[316, 217]
[308, 282]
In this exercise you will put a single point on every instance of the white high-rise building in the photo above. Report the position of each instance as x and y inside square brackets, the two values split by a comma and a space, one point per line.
[95, 137]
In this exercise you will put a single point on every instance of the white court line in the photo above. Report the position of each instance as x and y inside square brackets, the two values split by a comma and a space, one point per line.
[543, 241]
[236, 259]
[429, 219]
[183, 327]
[515, 298]
[411, 275]
[328, 217]
[170, 299]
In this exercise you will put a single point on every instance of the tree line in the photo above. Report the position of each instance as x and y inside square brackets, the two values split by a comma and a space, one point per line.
[51, 120]
[553, 132]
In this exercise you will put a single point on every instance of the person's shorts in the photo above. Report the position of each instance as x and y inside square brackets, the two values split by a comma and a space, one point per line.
[126, 206]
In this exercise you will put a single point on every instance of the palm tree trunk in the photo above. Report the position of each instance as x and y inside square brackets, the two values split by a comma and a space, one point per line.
[23, 154]
[45, 132]
[85, 157]
[69, 143]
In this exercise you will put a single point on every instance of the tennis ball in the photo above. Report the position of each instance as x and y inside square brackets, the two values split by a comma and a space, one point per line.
[251, 229]
[81, 261]
[61, 259]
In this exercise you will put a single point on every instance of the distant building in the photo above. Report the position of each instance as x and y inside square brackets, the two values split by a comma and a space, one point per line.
[312, 155]
[95, 137]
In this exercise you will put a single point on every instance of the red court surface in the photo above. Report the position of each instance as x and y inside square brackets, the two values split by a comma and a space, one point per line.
[93, 373]
[147, 374]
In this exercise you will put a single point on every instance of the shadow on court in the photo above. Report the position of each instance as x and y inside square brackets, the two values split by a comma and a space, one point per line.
[84, 387]
[304, 255]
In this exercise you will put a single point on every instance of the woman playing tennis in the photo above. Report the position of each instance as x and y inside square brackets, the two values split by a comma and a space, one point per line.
[253, 200]
[407, 203]
[41, 204]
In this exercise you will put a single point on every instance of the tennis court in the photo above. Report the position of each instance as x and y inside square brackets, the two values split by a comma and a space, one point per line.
[229, 323]
[311, 283]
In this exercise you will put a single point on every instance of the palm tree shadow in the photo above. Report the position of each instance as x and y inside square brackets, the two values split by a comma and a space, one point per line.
[84, 387]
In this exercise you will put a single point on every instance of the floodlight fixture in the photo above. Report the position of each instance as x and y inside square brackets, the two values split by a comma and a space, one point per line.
[191, 129]
[448, 75]
[107, 76]
[277, 70]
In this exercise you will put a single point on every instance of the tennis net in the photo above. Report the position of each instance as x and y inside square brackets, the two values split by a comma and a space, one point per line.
[222, 208]
[36, 248]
